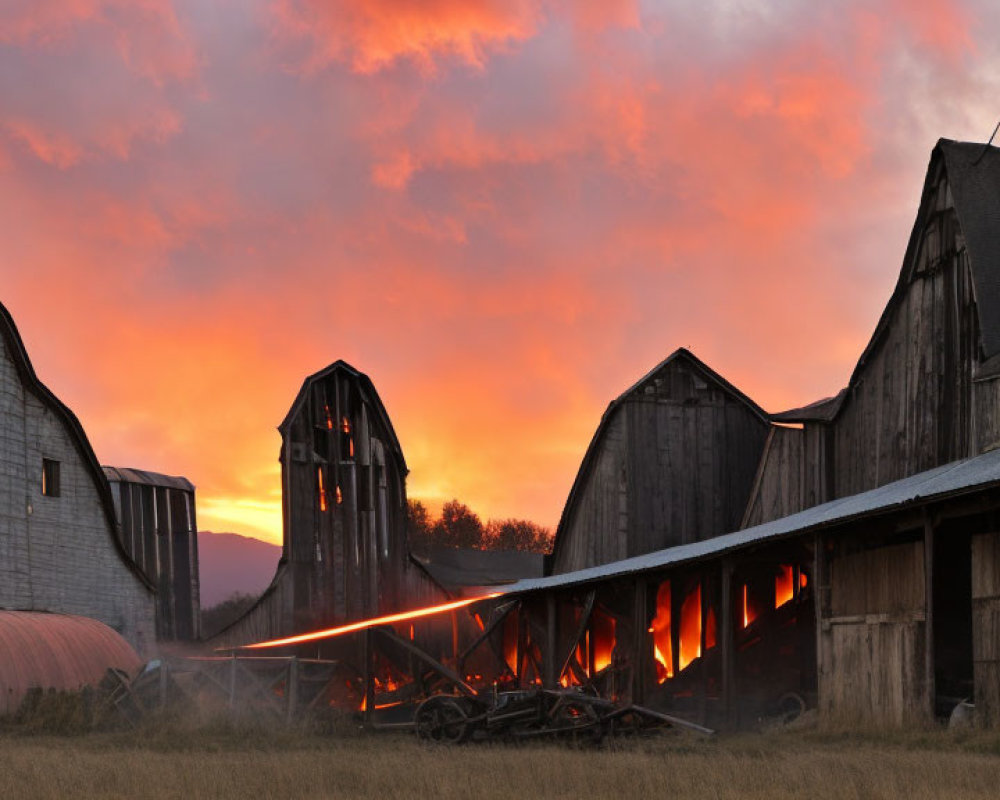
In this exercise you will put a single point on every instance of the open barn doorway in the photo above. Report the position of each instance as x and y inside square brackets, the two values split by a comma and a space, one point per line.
[952, 615]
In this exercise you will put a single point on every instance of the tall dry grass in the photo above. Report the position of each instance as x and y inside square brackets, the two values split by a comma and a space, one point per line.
[173, 760]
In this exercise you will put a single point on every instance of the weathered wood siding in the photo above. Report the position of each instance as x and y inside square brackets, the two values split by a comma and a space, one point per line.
[872, 660]
[598, 531]
[673, 462]
[913, 402]
[158, 529]
[910, 407]
[346, 553]
[986, 627]
[59, 553]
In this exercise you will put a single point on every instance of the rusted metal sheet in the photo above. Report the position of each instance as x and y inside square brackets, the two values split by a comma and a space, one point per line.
[56, 651]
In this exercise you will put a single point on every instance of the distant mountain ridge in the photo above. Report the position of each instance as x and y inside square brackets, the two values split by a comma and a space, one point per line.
[230, 563]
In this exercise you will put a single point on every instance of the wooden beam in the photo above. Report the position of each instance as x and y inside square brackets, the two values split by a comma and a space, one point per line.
[641, 650]
[929, 605]
[428, 659]
[549, 656]
[821, 596]
[501, 615]
[588, 608]
[727, 642]
[369, 677]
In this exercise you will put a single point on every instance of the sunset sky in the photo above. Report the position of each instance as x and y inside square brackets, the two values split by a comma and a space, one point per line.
[504, 212]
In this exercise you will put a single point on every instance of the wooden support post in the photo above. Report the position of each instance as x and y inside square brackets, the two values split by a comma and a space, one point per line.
[232, 682]
[727, 644]
[929, 601]
[428, 659]
[292, 689]
[549, 657]
[702, 668]
[522, 643]
[821, 599]
[641, 650]
[578, 633]
[369, 677]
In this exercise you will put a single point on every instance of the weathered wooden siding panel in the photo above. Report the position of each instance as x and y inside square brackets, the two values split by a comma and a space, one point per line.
[872, 659]
[986, 627]
[598, 527]
[779, 488]
[910, 406]
[344, 501]
[674, 462]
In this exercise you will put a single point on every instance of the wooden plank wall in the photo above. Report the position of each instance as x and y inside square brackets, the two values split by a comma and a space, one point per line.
[347, 555]
[913, 403]
[986, 627]
[872, 637]
[911, 408]
[778, 489]
[597, 532]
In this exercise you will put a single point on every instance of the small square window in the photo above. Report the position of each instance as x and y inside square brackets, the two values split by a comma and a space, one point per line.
[50, 477]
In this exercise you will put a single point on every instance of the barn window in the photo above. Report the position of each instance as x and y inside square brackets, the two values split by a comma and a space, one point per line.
[346, 440]
[50, 477]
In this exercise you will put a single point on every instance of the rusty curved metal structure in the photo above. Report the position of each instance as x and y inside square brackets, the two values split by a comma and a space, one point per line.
[56, 651]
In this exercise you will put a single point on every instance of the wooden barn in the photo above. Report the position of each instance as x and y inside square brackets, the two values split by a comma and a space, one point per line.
[728, 566]
[158, 530]
[673, 461]
[60, 549]
[345, 552]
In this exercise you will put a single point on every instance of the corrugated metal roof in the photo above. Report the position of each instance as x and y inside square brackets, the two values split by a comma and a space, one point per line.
[56, 651]
[959, 477]
[132, 475]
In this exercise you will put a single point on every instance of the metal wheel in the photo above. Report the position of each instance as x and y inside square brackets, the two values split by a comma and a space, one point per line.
[577, 720]
[791, 706]
[442, 719]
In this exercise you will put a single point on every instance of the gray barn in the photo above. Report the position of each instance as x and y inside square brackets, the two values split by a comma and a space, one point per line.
[59, 546]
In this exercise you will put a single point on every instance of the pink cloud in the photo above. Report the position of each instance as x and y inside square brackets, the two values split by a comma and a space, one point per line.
[504, 212]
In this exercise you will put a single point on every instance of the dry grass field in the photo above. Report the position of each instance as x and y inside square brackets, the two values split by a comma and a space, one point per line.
[175, 761]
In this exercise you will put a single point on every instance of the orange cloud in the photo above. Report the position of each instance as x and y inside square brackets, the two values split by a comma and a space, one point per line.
[503, 248]
[373, 34]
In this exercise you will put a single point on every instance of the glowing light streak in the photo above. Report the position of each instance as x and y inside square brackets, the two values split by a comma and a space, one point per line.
[329, 633]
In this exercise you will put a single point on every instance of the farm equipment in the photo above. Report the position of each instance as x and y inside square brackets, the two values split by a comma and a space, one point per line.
[529, 713]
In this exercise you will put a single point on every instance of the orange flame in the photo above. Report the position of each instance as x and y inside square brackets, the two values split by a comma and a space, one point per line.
[749, 613]
[803, 580]
[784, 585]
[329, 418]
[710, 637]
[604, 641]
[690, 636]
[662, 649]
[329, 633]
[322, 489]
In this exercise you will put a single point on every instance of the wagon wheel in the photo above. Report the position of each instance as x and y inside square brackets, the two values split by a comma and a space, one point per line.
[577, 720]
[791, 706]
[442, 719]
